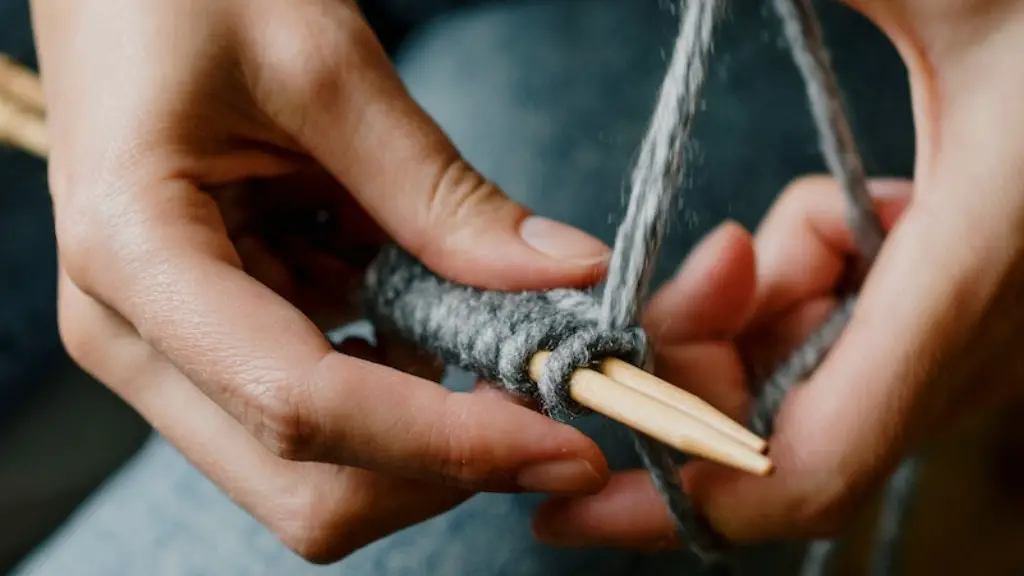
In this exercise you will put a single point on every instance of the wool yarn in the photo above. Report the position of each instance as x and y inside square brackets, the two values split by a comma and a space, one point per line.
[495, 334]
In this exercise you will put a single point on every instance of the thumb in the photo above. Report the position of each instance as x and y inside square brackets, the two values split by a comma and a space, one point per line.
[408, 176]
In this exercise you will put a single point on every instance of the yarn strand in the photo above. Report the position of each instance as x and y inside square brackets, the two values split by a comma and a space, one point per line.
[656, 177]
[658, 171]
[804, 34]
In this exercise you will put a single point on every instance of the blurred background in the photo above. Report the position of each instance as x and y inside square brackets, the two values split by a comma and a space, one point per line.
[62, 434]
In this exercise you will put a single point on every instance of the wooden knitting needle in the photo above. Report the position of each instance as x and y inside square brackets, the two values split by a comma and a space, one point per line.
[656, 388]
[21, 108]
[21, 85]
[22, 129]
[657, 419]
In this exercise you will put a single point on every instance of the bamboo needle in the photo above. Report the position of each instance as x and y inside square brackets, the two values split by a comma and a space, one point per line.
[656, 388]
[22, 129]
[21, 85]
[656, 419]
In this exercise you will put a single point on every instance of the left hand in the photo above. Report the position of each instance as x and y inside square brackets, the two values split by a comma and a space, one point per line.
[738, 301]
[936, 333]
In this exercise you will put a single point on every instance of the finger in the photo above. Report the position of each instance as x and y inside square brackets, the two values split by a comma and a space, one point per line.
[321, 511]
[804, 242]
[877, 392]
[179, 284]
[709, 299]
[342, 100]
[711, 370]
[712, 294]
[628, 513]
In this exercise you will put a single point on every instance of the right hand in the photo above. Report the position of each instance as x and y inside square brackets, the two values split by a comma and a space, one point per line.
[195, 294]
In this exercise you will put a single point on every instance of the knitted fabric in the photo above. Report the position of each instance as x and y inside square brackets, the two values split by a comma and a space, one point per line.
[495, 334]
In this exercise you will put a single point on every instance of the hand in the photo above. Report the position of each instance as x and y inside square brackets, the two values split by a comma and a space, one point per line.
[721, 314]
[221, 171]
[936, 331]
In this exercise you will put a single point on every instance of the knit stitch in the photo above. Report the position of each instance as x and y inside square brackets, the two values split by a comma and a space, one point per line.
[495, 334]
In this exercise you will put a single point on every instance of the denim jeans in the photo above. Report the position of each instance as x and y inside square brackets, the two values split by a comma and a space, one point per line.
[549, 99]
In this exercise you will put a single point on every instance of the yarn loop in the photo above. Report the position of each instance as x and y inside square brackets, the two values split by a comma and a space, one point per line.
[495, 334]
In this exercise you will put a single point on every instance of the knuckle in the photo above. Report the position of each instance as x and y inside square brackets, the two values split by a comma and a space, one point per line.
[98, 231]
[460, 201]
[318, 532]
[459, 192]
[279, 420]
[79, 244]
[305, 63]
[452, 452]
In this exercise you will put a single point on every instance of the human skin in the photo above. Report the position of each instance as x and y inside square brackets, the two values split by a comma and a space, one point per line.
[194, 147]
[936, 332]
[187, 289]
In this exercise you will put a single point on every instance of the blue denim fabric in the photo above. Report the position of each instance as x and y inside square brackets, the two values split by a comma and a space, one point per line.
[549, 99]
[28, 279]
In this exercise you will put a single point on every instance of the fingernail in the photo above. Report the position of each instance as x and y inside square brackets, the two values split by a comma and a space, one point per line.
[562, 477]
[562, 241]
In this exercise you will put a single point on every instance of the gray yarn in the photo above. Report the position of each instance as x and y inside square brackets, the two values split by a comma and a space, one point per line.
[799, 365]
[818, 557]
[658, 171]
[886, 558]
[807, 45]
[494, 334]
[656, 177]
